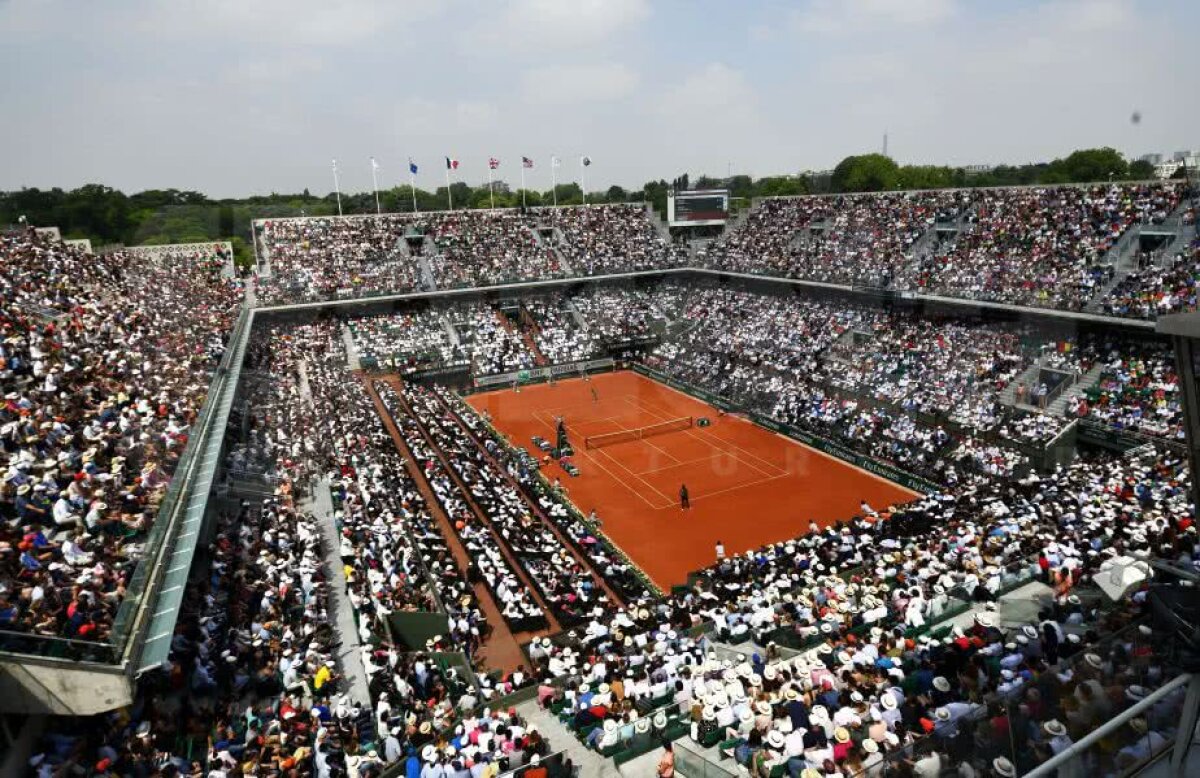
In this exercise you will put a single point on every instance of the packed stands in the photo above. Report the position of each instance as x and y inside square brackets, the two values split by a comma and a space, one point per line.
[620, 315]
[408, 342]
[873, 673]
[872, 680]
[1156, 289]
[1041, 246]
[105, 364]
[600, 239]
[853, 239]
[491, 338]
[1138, 390]
[558, 336]
[323, 258]
[567, 587]
[484, 248]
[1044, 246]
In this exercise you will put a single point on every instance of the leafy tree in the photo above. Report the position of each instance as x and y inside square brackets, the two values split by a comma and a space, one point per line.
[1091, 165]
[1141, 170]
[781, 186]
[568, 194]
[925, 177]
[741, 186]
[225, 221]
[865, 173]
[655, 192]
[616, 194]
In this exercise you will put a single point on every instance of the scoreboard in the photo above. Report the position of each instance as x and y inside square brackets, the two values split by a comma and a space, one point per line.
[697, 207]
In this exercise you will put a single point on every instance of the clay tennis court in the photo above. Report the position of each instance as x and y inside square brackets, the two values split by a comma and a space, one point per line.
[748, 486]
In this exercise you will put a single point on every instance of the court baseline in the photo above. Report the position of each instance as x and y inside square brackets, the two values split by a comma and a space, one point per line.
[537, 415]
[693, 432]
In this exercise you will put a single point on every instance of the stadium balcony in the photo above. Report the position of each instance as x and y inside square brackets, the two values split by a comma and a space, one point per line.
[920, 246]
[52, 674]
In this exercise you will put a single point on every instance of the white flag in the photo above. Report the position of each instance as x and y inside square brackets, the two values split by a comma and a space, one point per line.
[555, 161]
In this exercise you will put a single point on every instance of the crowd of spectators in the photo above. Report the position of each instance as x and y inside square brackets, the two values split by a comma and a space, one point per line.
[489, 563]
[618, 238]
[919, 391]
[104, 364]
[559, 336]
[622, 315]
[484, 248]
[492, 340]
[916, 392]
[319, 258]
[1157, 288]
[870, 678]
[414, 340]
[567, 587]
[584, 535]
[1138, 389]
[1044, 246]
[324, 258]
[253, 682]
[1040, 246]
[845, 239]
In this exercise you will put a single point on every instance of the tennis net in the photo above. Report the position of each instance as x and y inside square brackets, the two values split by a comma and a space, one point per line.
[607, 439]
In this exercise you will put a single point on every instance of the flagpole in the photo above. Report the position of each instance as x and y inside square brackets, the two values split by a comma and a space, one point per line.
[337, 188]
[553, 181]
[449, 198]
[522, 183]
[583, 179]
[412, 184]
[491, 192]
[375, 184]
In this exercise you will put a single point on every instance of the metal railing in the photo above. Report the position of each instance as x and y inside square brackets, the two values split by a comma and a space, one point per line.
[1084, 750]
[114, 649]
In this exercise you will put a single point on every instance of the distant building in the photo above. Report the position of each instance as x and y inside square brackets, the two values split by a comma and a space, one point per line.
[1166, 169]
[978, 170]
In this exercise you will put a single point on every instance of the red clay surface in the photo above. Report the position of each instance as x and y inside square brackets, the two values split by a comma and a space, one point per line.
[748, 486]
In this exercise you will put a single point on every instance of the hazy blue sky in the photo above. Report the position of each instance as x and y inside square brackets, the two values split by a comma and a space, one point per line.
[234, 97]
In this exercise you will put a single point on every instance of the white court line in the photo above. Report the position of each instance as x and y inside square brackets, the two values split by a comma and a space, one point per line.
[709, 442]
[795, 442]
[635, 475]
[648, 443]
[697, 461]
[624, 482]
[735, 487]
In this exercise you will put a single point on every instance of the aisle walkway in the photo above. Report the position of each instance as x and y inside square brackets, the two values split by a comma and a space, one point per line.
[501, 651]
[349, 655]
[351, 349]
[590, 763]
[534, 506]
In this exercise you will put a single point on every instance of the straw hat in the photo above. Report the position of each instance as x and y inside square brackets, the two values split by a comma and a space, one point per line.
[1054, 728]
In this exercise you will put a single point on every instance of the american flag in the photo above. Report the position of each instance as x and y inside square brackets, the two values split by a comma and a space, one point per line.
[493, 163]
[526, 161]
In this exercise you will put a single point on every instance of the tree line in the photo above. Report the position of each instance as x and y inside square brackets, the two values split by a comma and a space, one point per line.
[108, 216]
